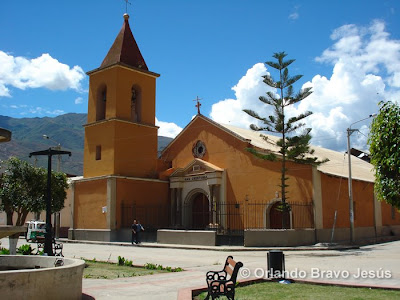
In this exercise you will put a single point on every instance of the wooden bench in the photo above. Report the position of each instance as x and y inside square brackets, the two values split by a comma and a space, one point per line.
[218, 282]
[57, 246]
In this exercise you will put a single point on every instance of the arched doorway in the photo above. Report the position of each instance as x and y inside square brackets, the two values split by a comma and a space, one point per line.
[200, 211]
[276, 216]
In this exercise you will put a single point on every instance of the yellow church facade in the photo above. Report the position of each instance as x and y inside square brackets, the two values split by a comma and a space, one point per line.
[204, 180]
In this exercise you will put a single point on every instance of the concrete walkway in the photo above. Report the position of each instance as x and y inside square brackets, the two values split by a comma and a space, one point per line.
[374, 265]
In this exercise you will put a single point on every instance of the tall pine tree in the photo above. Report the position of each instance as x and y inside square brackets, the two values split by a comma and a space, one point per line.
[292, 147]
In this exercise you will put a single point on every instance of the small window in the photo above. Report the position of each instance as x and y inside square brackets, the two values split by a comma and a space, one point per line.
[98, 152]
[196, 168]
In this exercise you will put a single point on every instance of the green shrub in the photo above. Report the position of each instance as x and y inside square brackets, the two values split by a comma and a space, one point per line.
[121, 261]
[128, 263]
[25, 249]
[4, 251]
[151, 266]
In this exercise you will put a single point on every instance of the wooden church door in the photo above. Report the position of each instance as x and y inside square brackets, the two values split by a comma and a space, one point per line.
[200, 211]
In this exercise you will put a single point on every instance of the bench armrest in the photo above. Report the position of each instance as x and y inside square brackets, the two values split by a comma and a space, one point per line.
[215, 275]
[221, 286]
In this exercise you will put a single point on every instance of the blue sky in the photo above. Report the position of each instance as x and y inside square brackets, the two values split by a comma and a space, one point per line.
[348, 51]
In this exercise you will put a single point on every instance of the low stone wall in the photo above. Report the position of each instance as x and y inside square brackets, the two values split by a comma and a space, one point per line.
[278, 237]
[39, 278]
[104, 235]
[360, 233]
[187, 237]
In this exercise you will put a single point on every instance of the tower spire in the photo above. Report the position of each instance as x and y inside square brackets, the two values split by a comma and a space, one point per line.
[125, 50]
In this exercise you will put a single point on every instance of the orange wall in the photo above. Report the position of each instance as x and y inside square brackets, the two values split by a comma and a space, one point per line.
[387, 218]
[141, 192]
[90, 197]
[135, 150]
[335, 197]
[246, 175]
[127, 149]
[102, 134]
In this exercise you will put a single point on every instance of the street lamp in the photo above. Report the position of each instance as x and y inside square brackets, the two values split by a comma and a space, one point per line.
[49, 153]
[351, 212]
[56, 215]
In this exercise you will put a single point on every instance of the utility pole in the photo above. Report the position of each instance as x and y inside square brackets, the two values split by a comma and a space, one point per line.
[351, 203]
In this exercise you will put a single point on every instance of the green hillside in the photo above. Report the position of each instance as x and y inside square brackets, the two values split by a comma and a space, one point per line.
[27, 136]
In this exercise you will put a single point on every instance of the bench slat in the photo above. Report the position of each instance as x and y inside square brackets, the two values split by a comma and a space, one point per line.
[231, 262]
[228, 270]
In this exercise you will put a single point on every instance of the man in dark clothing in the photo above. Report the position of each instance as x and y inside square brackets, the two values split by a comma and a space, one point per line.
[136, 229]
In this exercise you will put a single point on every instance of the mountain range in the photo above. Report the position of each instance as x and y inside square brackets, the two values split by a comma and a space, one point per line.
[65, 130]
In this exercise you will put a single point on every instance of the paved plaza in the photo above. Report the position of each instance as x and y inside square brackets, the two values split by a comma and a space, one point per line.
[374, 265]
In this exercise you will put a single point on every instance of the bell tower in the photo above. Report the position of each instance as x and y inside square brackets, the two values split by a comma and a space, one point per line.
[120, 135]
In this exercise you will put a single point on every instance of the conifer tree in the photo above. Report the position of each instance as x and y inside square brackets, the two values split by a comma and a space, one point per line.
[292, 147]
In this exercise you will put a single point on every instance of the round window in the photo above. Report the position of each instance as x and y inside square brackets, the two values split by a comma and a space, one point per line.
[199, 149]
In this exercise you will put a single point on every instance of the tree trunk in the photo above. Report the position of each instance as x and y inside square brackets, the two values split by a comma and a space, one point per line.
[10, 217]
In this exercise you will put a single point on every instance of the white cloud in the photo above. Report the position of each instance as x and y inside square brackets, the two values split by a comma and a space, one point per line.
[294, 16]
[168, 129]
[247, 91]
[365, 69]
[44, 111]
[41, 72]
[79, 100]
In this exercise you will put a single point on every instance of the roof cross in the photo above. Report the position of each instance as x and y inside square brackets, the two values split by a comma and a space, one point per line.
[126, 5]
[198, 104]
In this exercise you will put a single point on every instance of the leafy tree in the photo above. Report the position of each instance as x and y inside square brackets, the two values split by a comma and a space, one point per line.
[384, 142]
[292, 147]
[23, 189]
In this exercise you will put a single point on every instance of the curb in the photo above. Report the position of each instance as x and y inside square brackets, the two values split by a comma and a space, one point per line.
[215, 248]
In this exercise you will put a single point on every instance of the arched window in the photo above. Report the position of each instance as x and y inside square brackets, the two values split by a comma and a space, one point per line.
[101, 103]
[136, 101]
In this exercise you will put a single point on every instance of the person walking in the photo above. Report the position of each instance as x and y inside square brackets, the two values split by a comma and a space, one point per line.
[136, 229]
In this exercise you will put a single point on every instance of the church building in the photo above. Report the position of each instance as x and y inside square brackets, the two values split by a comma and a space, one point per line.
[205, 187]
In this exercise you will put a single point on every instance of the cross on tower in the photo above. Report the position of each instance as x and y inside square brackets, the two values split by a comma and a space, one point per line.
[126, 5]
[198, 104]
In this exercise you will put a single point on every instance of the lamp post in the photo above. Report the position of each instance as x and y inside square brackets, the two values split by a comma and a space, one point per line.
[56, 215]
[351, 208]
[48, 249]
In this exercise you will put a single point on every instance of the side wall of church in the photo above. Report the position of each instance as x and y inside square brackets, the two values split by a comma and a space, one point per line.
[135, 199]
[90, 197]
[390, 216]
[335, 198]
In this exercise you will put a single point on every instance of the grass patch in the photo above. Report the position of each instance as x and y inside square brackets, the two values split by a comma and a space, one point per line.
[106, 270]
[273, 290]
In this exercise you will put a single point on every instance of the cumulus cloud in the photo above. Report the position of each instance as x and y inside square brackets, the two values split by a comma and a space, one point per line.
[44, 111]
[41, 72]
[365, 69]
[249, 88]
[168, 129]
